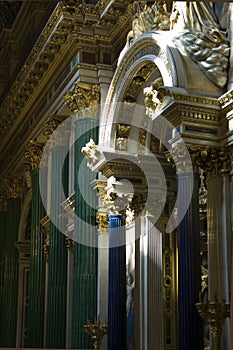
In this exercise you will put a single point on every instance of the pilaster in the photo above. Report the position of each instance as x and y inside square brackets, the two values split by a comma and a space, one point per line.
[13, 186]
[36, 302]
[85, 247]
[57, 254]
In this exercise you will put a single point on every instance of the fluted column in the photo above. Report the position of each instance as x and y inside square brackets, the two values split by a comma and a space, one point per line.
[10, 294]
[117, 283]
[35, 318]
[219, 240]
[3, 209]
[57, 258]
[189, 263]
[85, 247]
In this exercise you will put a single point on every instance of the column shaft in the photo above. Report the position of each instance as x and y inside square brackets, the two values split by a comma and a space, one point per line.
[85, 255]
[189, 279]
[57, 269]
[117, 284]
[35, 321]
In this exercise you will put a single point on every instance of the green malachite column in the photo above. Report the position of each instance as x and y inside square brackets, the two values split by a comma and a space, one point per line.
[36, 301]
[10, 292]
[57, 260]
[85, 256]
[3, 207]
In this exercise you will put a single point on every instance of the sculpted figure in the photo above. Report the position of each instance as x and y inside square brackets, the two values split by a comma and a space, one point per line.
[203, 39]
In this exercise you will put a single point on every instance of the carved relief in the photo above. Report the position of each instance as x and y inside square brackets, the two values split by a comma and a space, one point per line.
[122, 137]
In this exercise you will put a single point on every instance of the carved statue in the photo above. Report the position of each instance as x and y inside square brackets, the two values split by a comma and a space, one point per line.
[203, 39]
[92, 153]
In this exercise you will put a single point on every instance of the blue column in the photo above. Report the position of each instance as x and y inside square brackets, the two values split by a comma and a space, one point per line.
[189, 271]
[117, 283]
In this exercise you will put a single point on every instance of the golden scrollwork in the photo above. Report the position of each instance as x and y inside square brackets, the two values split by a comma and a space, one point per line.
[82, 96]
[34, 152]
[13, 186]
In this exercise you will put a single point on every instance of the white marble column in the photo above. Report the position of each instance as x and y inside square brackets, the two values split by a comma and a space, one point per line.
[151, 287]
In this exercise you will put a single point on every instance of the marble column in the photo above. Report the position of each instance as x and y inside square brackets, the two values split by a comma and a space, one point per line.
[35, 317]
[189, 270]
[85, 246]
[10, 295]
[57, 259]
[117, 283]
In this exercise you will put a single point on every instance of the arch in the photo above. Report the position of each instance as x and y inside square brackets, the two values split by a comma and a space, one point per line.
[153, 48]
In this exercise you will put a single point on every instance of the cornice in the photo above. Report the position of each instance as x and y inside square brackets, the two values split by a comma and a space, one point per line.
[56, 46]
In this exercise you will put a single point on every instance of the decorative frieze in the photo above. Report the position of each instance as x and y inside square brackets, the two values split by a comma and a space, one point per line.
[82, 96]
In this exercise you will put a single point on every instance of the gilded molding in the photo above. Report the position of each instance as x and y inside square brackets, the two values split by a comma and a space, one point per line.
[13, 187]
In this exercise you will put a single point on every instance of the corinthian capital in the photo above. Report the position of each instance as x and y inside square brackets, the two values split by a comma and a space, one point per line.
[33, 153]
[82, 96]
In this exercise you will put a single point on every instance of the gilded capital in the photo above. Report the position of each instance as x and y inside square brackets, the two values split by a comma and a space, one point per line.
[33, 153]
[213, 160]
[82, 96]
[13, 187]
